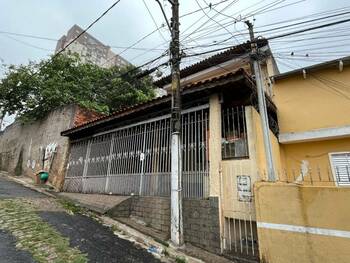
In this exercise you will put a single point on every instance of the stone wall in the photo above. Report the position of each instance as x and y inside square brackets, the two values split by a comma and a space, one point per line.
[21, 144]
[201, 223]
[154, 211]
[200, 218]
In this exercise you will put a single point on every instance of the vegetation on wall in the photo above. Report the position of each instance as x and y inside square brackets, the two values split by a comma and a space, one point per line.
[33, 90]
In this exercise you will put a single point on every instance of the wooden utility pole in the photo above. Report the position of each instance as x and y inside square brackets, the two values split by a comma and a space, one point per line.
[176, 154]
[255, 57]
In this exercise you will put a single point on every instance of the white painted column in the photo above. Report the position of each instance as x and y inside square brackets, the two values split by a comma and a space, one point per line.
[176, 191]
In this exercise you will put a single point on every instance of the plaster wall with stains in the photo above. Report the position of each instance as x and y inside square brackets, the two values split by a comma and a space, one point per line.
[22, 145]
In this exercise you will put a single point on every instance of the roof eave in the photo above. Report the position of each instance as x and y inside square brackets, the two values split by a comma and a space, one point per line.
[316, 67]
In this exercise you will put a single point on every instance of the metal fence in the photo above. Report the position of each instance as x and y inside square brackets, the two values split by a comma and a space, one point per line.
[241, 237]
[338, 175]
[136, 159]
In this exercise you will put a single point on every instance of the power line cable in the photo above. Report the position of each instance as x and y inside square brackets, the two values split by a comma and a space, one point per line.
[28, 35]
[280, 22]
[154, 21]
[86, 29]
[330, 88]
[27, 44]
[223, 27]
[131, 46]
[304, 22]
[203, 24]
[309, 29]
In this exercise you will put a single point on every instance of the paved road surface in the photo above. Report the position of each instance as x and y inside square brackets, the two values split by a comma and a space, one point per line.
[88, 239]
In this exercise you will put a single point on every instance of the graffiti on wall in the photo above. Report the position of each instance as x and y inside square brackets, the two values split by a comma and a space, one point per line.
[46, 156]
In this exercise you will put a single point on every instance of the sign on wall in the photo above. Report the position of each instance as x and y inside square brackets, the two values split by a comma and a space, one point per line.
[244, 189]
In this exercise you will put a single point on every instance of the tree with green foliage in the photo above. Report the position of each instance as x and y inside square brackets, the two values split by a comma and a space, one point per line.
[33, 90]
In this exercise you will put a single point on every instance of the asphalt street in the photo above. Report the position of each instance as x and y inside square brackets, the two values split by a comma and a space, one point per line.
[30, 233]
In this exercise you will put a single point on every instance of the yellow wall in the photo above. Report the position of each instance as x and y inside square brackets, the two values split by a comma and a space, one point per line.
[254, 166]
[214, 145]
[315, 154]
[307, 104]
[316, 207]
[230, 169]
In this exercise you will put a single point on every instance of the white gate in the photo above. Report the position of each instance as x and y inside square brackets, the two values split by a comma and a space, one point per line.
[135, 159]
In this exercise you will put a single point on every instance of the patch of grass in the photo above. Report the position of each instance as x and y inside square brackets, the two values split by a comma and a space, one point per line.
[165, 252]
[35, 235]
[180, 260]
[72, 207]
[164, 243]
[115, 228]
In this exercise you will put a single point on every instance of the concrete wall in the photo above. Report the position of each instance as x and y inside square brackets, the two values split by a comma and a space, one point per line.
[303, 223]
[20, 143]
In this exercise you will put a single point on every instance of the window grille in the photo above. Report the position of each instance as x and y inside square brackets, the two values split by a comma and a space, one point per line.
[340, 163]
[234, 142]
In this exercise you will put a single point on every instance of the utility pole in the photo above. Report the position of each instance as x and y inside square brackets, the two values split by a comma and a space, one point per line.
[255, 57]
[176, 228]
[176, 154]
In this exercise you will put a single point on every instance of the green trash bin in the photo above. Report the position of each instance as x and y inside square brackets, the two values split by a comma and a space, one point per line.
[43, 176]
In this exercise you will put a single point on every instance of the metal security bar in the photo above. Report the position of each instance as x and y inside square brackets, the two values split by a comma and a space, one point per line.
[136, 159]
[234, 133]
[241, 240]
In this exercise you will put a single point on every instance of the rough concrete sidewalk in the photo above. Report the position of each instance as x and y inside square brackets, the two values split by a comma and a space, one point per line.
[95, 202]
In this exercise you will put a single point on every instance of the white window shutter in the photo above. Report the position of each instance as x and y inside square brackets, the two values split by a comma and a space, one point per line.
[341, 167]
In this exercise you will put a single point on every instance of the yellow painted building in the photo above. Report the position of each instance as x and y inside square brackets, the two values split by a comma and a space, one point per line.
[303, 217]
[314, 125]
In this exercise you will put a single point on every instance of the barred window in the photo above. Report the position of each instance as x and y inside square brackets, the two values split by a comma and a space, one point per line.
[234, 142]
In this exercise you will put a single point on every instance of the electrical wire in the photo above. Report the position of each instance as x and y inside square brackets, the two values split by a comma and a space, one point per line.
[28, 35]
[309, 29]
[330, 88]
[154, 21]
[86, 29]
[223, 27]
[304, 22]
[335, 11]
[27, 44]
[131, 46]
[203, 24]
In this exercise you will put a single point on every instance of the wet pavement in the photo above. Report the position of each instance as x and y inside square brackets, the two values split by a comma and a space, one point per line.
[87, 237]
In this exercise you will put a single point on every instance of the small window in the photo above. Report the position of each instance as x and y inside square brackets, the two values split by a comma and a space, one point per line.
[340, 163]
[234, 143]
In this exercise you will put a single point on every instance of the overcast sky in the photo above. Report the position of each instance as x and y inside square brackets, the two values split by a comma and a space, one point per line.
[129, 21]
